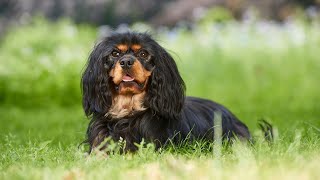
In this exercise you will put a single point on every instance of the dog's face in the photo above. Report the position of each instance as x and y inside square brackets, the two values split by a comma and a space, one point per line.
[132, 65]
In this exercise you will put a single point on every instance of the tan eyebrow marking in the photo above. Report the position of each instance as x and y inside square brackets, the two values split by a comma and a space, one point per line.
[135, 47]
[122, 47]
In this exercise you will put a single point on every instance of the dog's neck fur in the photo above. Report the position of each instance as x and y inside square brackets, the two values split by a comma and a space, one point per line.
[126, 105]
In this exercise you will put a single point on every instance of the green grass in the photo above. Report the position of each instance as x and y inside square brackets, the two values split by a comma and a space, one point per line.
[257, 70]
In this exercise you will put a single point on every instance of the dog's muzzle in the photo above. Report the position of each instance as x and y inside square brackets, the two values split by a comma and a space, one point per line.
[127, 62]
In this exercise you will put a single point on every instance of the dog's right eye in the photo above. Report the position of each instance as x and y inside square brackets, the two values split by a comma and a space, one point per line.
[115, 54]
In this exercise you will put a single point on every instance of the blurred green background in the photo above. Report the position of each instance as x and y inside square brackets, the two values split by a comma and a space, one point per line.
[259, 59]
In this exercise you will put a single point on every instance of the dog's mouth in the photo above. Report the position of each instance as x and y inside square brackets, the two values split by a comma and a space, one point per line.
[129, 85]
[127, 78]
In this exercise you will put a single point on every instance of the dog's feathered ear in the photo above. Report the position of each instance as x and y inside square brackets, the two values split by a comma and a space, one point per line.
[166, 92]
[96, 96]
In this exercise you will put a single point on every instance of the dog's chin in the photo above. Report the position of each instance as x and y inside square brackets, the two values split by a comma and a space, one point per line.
[130, 87]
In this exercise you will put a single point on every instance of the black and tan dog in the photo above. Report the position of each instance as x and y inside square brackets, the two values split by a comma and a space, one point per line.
[132, 90]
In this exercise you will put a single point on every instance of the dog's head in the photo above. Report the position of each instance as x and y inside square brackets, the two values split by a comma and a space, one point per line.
[132, 65]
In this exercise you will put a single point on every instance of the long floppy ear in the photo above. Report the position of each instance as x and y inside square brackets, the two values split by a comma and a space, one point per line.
[96, 95]
[166, 91]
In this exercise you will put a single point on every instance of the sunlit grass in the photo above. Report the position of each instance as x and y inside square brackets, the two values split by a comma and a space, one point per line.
[43, 154]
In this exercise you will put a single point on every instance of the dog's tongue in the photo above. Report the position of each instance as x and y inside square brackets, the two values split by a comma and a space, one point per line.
[127, 78]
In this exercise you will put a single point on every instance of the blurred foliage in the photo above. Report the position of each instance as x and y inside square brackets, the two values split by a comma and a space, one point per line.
[158, 13]
[41, 63]
[217, 14]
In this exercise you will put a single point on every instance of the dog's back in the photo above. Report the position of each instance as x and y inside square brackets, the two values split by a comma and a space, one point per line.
[197, 117]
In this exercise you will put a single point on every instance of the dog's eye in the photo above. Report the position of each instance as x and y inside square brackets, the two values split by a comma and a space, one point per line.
[143, 54]
[115, 53]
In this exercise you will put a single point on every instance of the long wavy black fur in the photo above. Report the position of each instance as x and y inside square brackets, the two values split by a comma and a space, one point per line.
[169, 114]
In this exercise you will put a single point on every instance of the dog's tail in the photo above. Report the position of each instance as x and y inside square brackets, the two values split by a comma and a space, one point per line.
[267, 130]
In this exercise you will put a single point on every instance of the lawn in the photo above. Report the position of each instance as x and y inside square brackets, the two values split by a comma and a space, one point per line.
[258, 70]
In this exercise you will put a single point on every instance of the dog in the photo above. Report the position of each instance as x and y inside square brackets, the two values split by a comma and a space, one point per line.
[132, 90]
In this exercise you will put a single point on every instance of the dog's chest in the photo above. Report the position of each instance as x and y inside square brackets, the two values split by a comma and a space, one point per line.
[126, 105]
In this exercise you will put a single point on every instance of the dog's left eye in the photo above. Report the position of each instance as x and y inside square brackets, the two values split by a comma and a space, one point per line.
[143, 54]
[115, 54]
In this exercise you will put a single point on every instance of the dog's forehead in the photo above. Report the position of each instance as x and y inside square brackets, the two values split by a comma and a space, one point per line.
[131, 38]
[125, 42]
[124, 47]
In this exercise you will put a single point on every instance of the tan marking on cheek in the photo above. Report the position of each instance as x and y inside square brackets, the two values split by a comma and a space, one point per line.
[122, 47]
[140, 73]
[111, 73]
[136, 47]
[116, 73]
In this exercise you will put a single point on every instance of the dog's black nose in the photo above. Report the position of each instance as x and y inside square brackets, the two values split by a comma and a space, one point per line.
[126, 63]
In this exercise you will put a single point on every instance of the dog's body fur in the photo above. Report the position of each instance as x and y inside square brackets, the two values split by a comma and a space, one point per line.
[132, 90]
